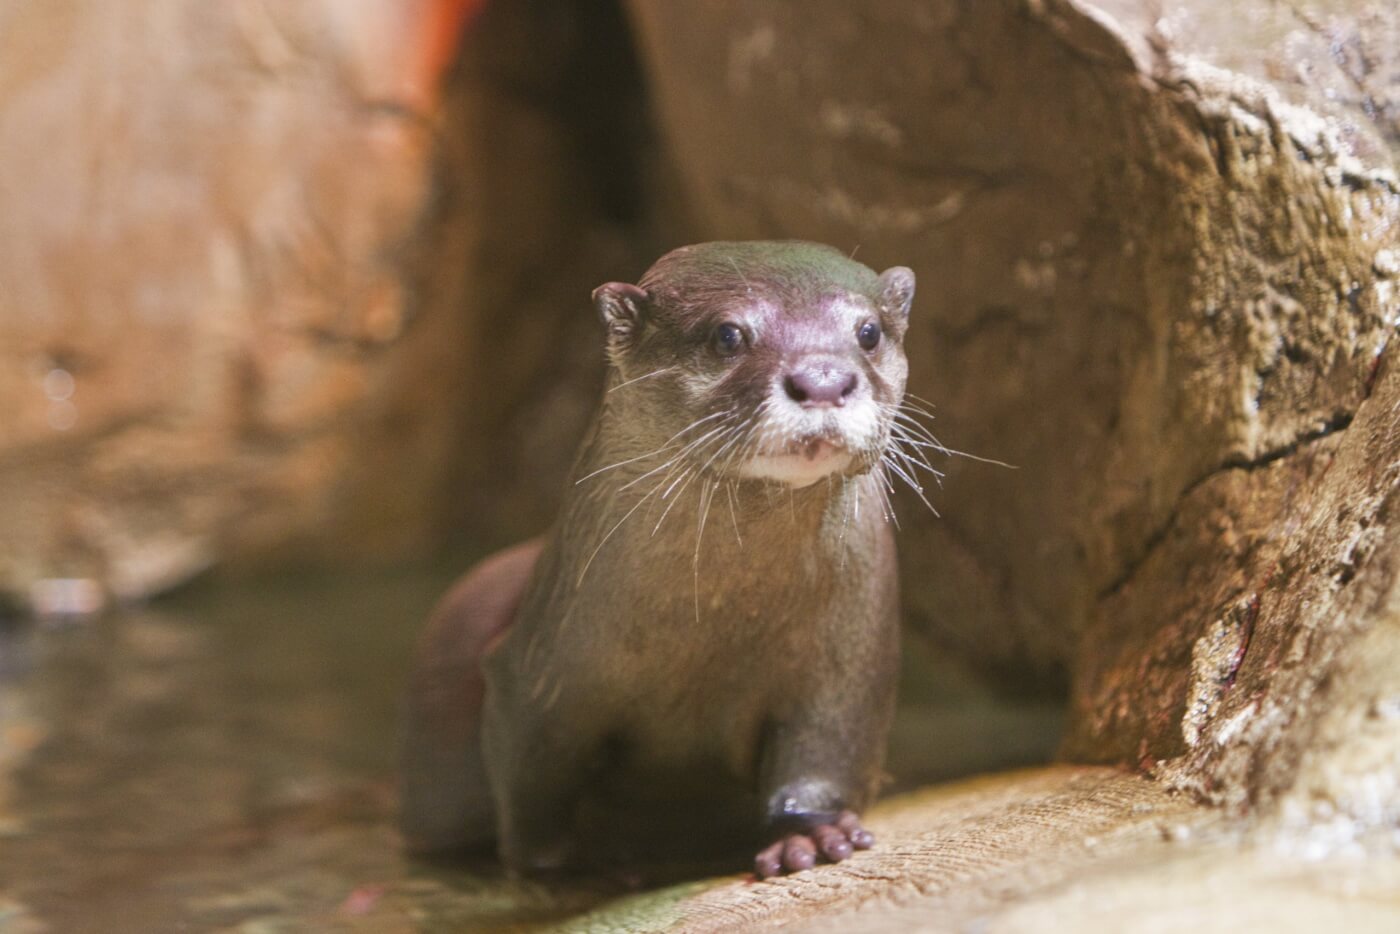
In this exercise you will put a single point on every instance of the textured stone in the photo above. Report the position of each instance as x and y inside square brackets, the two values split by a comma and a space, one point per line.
[1153, 245]
[204, 326]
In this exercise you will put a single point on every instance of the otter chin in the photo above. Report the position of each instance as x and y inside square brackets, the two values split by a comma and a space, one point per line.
[686, 664]
[801, 465]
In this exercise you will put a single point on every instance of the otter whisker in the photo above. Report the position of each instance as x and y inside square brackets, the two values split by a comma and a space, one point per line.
[919, 454]
[904, 405]
[745, 439]
[671, 479]
[655, 488]
[890, 463]
[688, 476]
[672, 440]
[885, 488]
[589, 563]
[733, 512]
[982, 460]
[909, 409]
[897, 451]
[689, 473]
[669, 466]
[899, 416]
[898, 454]
[904, 414]
[748, 286]
[914, 407]
[918, 433]
[727, 445]
[624, 463]
[952, 452]
[679, 455]
[915, 457]
[681, 481]
[891, 460]
[707, 497]
[847, 501]
[920, 399]
[902, 417]
[638, 379]
[906, 435]
[915, 463]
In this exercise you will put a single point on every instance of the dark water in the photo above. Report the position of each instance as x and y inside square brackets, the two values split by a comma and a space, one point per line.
[223, 760]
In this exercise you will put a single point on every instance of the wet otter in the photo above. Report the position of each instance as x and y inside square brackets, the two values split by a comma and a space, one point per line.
[703, 648]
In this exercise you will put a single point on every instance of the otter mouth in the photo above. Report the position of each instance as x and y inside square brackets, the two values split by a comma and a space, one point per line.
[802, 462]
[819, 449]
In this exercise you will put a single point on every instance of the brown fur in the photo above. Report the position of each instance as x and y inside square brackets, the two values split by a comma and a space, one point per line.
[696, 656]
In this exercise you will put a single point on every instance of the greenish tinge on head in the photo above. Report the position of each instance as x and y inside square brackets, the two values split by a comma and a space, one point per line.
[786, 270]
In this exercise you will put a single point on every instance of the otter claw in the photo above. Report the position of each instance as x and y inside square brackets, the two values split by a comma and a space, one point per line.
[799, 851]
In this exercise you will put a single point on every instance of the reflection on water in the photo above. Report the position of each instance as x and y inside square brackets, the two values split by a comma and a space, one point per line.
[224, 759]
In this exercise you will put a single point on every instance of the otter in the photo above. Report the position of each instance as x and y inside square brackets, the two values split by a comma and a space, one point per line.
[703, 649]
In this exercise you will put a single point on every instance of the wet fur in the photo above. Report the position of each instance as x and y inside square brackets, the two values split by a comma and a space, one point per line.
[692, 660]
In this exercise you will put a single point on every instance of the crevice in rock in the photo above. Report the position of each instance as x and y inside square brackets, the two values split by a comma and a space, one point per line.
[1337, 423]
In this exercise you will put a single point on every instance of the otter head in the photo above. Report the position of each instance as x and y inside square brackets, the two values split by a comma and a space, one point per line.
[770, 361]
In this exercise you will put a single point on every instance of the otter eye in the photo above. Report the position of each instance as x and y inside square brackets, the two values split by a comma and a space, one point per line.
[868, 336]
[728, 339]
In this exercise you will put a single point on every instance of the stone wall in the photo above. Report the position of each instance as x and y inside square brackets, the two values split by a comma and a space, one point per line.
[1156, 274]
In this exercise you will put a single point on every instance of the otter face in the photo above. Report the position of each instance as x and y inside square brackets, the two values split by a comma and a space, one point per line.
[781, 362]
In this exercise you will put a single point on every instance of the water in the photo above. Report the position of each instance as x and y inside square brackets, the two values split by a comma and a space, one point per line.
[224, 760]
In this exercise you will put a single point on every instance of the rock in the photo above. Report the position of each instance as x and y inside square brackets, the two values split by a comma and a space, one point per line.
[207, 345]
[1152, 254]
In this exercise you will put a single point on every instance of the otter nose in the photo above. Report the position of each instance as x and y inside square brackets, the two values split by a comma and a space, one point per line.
[818, 386]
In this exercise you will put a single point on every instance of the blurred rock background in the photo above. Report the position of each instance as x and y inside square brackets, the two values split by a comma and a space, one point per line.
[210, 340]
[305, 283]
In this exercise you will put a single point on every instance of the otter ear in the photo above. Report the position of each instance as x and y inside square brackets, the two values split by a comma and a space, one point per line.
[897, 290]
[620, 306]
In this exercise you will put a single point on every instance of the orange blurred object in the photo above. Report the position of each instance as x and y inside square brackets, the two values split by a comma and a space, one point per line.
[440, 30]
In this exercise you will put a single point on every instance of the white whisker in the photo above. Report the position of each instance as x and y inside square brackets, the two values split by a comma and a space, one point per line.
[733, 513]
[638, 379]
[672, 440]
[589, 563]
[707, 497]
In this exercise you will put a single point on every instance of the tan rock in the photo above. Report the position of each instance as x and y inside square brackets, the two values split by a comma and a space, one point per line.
[1152, 245]
[203, 215]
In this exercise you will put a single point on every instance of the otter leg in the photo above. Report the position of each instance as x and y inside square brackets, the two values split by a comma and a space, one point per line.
[818, 770]
[445, 803]
[539, 760]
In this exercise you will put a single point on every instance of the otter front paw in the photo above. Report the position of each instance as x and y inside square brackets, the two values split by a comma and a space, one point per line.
[795, 852]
